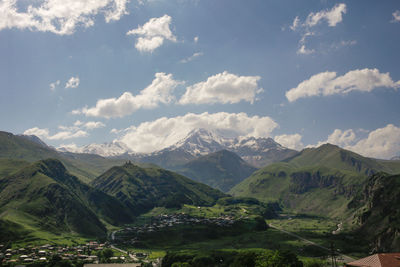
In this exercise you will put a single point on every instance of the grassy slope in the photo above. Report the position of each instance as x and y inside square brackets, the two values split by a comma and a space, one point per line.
[8, 166]
[86, 167]
[142, 189]
[221, 170]
[45, 201]
[318, 180]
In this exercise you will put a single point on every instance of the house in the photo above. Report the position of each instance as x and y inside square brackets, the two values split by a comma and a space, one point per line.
[377, 260]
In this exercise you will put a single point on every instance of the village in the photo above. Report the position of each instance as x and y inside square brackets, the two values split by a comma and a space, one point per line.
[159, 222]
[92, 252]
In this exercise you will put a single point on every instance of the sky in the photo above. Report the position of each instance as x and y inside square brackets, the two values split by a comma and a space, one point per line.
[147, 72]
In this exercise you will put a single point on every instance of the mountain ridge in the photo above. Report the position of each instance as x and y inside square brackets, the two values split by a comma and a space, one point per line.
[222, 169]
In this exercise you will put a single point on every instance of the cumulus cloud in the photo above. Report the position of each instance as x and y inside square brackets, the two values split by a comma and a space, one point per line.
[192, 57]
[73, 82]
[54, 85]
[340, 138]
[153, 33]
[223, 88]
[328, 83]
[381, 143]
[62, 135]
[396, 16]
[61, 17]
[159, 91]
[333, 16]
[163, 132]
[292, 141]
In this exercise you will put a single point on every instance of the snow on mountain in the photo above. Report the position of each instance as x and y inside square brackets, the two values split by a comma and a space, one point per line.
[256, 151]
[199, 142]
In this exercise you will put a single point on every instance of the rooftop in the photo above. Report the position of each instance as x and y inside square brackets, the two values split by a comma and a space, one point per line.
[378, 260]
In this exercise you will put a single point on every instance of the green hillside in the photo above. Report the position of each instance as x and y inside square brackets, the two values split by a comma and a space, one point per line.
[317, 180]
[221, 170]
[85, 166]
[142, 189]
[335, 157]
[44, 198]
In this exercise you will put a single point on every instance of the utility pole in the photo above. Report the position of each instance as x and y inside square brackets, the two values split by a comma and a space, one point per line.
[333, 256]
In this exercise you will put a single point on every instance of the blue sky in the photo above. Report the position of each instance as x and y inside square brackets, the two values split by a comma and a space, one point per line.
[147, 72]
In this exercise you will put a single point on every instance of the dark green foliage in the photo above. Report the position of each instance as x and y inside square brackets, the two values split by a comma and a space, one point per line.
[11, 231]
[142, 189]
[277, 259]
[266, 210]
[232, 258]
[221, 170]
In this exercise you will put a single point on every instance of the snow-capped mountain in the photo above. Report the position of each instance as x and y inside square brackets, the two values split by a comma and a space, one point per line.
[199, 142]
[256, 151]
[112, 149]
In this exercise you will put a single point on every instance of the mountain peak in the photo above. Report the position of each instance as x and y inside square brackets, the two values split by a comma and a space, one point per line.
[34, 139]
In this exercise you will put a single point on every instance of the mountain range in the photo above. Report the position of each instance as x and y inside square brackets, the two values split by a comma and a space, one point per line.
[199, 142]
[42, 189]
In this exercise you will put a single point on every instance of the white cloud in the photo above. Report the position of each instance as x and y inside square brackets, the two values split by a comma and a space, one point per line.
[382, 143]
[94, 125]
[196, 39]
[304, 51]
[63, 135]
[66, 132]
[328, 83]
[340, 138]
[159, 91]
[73, 82]
[58, 16]
[222, 88]
[333, 16]
[163, 132]
[54, 85]
[153, 33]
[42, 133]
[292, 141]
[396, 16]
[192, 57]
[295, 24]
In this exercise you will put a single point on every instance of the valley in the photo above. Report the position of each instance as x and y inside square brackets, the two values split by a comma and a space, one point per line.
[212, 206]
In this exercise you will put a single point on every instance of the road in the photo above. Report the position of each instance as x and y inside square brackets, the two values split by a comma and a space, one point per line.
[121, 250]
[345, 257]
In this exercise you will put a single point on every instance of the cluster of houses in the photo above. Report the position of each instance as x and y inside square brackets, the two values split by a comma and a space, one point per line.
[169, 220]
[28, 254]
